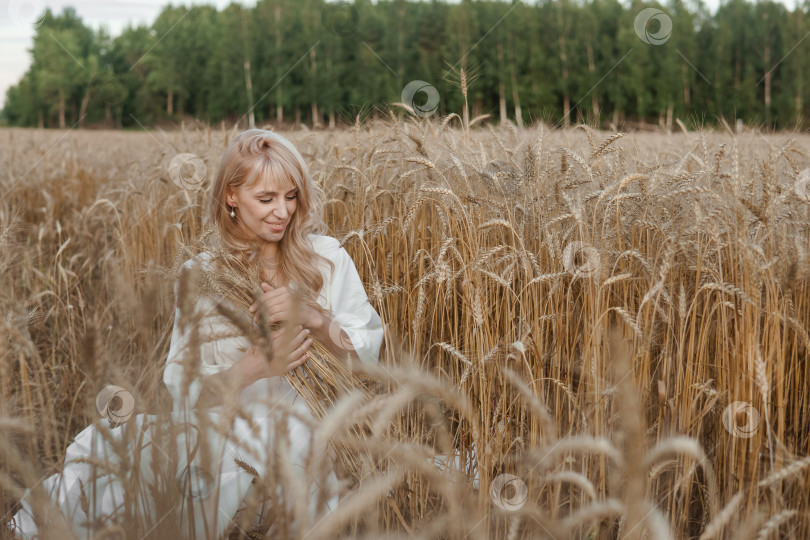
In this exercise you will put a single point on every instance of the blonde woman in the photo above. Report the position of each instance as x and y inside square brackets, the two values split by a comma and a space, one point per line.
[266, 213]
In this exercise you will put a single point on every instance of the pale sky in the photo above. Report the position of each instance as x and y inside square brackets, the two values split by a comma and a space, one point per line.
[17, 16]
[17, 32]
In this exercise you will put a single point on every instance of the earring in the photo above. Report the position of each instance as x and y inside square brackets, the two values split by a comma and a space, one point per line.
[233, 214]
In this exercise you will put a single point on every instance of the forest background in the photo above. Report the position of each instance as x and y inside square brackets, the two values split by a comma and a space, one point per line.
[311, 62]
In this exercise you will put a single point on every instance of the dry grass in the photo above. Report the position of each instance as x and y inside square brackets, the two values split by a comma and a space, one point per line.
[576, 308]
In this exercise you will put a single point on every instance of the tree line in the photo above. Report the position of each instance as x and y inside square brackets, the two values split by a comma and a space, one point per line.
[322, 63]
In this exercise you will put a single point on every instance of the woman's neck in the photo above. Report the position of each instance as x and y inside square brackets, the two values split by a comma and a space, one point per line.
[273, 276]
[269, 256]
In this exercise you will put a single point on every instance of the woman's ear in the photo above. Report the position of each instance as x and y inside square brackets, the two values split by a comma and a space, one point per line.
[229, 198]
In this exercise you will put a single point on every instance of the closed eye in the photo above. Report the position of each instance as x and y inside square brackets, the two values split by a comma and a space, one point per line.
[290, 198]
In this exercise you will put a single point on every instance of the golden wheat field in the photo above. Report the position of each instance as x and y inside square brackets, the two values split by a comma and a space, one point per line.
[588, 334]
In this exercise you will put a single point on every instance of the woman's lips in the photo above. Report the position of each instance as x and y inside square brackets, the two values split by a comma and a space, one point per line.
[276, 228]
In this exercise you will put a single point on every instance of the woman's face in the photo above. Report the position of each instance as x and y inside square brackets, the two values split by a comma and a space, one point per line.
[265, 208]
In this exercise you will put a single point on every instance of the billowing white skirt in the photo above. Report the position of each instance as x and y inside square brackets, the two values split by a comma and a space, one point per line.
[162, 472]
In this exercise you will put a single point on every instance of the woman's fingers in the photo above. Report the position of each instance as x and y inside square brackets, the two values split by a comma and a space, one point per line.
[292, 353]
[276, 315]
[277, 306]
[269, 303]
[300, 337]
[273, 296]
[302, 357]
[306, 345]
[266, 299]
[298, 345]
[279, 332]
[301, 348]
[275, 299]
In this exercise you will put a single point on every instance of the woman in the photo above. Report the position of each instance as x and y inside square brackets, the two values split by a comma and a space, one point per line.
[267, 215]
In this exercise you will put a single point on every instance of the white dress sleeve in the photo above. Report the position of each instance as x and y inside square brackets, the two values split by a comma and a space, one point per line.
[219, 346]
[352, 311]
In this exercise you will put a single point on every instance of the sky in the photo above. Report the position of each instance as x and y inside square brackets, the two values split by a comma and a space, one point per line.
[17, 31]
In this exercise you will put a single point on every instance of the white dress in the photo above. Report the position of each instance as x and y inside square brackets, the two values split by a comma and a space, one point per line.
[214, 484]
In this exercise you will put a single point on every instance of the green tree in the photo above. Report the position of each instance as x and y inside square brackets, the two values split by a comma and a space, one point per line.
[60, 45]
[163, 60]
[231, 69]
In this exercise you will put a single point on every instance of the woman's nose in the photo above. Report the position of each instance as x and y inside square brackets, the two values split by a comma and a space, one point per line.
[280, 210]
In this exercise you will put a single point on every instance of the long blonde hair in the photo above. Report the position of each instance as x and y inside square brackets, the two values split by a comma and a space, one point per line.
[253, 155]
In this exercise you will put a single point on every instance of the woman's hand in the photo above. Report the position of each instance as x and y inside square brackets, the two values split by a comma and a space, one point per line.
[278, 304]
[287, 355]
[254, 365]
